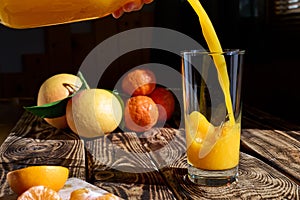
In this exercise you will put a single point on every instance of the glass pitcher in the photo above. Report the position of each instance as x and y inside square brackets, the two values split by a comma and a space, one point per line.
[38, 13]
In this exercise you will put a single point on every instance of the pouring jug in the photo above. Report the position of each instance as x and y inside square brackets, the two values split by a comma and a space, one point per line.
[38, 13]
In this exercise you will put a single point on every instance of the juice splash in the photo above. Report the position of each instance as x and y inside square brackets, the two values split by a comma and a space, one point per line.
[209, 147]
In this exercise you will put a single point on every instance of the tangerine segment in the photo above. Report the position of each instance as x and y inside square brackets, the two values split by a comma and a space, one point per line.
[39, 193]
[84, 194]
[53, 177]
[222, 154]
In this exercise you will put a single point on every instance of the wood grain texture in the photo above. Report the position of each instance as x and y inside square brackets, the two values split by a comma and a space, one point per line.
[134, 186]
[152, 165]
[165, 145]
[123, 166]
[33, 142]
[276, 148]
[254, 118]
[120, 151]
[4, 187]
[257, 180]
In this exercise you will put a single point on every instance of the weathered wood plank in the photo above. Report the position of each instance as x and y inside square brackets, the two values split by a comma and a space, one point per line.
[165, 145]
[254, 118]
[134, 186]
[277, 148]
[4, 189]
[256, 179]
[7, 167]
[153, 165]
[122, 166]
[33, 142]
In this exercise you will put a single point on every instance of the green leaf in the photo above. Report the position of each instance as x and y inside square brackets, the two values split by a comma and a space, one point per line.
[57, 108]
[84, 83]
[50, 110]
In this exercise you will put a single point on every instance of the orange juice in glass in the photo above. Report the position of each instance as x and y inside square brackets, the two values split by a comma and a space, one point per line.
[212, 125]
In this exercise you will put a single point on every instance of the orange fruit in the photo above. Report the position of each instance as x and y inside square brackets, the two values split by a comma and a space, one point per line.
[139, 82]
[84, 194]
[53, 177]
[93, 112]
[141, 113]
[39, 193]
[57, 88]
[166, 102]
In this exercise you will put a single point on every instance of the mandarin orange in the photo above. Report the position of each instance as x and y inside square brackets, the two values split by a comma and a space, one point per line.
[139, 82]
[141, 113]
[166, 102]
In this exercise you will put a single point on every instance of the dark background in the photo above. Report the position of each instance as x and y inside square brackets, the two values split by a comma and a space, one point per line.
[270, 82]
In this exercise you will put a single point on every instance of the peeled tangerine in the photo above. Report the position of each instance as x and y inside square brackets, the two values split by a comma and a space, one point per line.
[93, 112]
[57, 88]
[209, 147]
[39, 193]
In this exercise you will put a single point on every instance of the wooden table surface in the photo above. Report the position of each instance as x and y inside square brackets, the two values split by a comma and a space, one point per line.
[152, 165]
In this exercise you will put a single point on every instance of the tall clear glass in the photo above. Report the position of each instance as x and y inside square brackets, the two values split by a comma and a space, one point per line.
[212, 111]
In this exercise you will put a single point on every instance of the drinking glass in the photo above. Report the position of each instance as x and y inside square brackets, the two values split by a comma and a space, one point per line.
[212, 113]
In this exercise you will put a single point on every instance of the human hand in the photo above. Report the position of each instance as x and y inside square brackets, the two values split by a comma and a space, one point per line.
[129, 7]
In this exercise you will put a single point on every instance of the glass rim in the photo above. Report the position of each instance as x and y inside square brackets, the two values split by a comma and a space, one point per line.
[207, 52]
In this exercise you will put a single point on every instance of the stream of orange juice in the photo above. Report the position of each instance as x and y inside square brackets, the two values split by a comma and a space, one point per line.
[218, 147]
